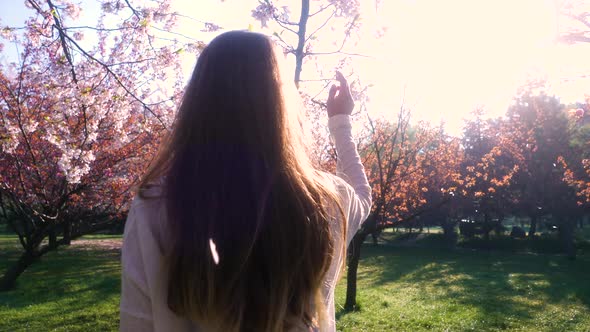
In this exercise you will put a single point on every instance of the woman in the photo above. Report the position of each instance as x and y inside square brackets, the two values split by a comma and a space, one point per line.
[232, 229]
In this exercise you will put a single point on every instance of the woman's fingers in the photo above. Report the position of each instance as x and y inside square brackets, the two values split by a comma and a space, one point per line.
[341, 79]
[332, 93]
[339, 97]
[343, 84]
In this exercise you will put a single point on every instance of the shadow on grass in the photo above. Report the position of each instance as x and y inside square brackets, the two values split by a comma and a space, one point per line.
[497, 285]
[69, 289]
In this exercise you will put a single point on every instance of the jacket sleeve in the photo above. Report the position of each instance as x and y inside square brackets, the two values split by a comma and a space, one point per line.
[355, 188]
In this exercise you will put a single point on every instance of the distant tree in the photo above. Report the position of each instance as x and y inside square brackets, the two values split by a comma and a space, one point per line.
[403, 163]
[577, 169]
[443, 182]
[541, 127]
[491, 161]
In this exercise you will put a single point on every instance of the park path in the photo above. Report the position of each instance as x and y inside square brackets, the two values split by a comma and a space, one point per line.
[97, 244]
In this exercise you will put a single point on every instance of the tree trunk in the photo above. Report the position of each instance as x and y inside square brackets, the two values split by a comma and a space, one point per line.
[566, 232]
[67, 239]
[299, 52]
[533, 228]
[486, 227]
[52, 238]
[8, 281]
[354, 255]
[449, 232]
[375, 238]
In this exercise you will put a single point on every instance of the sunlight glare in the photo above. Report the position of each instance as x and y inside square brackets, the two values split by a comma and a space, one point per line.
[444, 58]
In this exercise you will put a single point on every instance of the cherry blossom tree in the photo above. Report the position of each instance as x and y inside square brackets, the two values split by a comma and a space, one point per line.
[299, 35]
[79, 123]
[575, 25]
[302, 36]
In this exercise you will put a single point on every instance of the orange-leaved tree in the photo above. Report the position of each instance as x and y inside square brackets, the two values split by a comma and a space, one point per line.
[405, 163]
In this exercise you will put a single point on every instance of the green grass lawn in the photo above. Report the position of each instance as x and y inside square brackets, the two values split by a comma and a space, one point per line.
[421, 289]
[72, 289]
[400, 289]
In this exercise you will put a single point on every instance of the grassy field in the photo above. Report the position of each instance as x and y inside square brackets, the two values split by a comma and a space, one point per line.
[400, 289]
[72, 289]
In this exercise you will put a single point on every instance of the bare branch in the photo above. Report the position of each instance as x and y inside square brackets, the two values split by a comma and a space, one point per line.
[285, 45]
[321, 26]
[174, 33]
[286, 27]
[135, 12]
[80, 27]
[319, 102]
[321, 10]
[340, 53]
[346, 35]
[317, 80]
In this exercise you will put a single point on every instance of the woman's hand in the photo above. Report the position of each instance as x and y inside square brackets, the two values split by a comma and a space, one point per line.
[339, 98]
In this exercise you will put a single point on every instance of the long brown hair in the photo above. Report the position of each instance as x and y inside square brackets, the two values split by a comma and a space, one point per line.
[249, 217]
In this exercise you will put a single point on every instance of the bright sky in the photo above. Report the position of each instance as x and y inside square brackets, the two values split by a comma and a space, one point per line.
[448, 56]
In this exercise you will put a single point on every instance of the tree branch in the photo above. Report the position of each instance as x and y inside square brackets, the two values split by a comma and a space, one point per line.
[321, 26]
[346, 35]
[321, 10]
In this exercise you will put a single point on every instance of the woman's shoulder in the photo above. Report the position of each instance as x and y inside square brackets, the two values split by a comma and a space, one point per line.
[150, 190]
[147, 198]
[147, 214]
[343, 188]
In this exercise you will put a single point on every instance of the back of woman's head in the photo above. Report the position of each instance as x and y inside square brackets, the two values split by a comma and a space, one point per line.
[250, 234]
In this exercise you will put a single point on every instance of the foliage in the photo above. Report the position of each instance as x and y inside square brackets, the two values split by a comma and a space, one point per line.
[577, 171]
[406, 165]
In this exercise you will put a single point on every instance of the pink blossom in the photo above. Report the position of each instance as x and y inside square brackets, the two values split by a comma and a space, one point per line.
[210, 27]
[72, 10]
[263, 13]
[346, 7]
[78, 35]
[6, 32]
